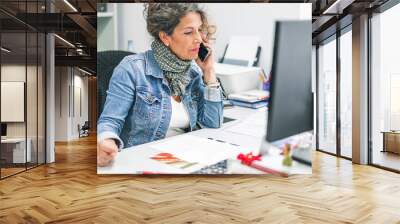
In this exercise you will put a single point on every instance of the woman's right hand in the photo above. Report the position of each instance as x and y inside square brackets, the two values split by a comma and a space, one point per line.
[106, 152]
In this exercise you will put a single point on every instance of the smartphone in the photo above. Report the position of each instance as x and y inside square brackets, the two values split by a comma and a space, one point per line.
[203, 52]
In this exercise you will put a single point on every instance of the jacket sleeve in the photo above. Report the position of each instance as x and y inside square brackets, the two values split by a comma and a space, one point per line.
[119, 100]
[209, 105]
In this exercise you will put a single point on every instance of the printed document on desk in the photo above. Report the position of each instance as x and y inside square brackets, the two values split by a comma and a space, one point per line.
[197, 150]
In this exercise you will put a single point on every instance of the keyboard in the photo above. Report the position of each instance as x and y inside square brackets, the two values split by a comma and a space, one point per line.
[218, 168]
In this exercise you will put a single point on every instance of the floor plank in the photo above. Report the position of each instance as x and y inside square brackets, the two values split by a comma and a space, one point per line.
[70, 191]
[386, 159]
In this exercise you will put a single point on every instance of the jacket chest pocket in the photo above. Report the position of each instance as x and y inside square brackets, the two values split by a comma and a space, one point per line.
[147, 104]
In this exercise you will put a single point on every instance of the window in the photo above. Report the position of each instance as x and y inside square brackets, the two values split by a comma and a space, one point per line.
[327, 96]
[385, 89]
[346, 93]
[22, 66]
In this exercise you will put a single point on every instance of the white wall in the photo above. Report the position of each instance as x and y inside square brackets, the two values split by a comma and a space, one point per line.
[66, 119]
[230, 19]
[61, 83]
[12, 101]
[132, 26]
[80, 84]
[33, 126]
[12, 73]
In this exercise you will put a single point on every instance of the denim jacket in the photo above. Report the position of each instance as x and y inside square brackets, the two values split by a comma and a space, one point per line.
[138, 104]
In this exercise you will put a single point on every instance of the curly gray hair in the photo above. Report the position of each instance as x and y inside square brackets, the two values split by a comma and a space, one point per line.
[166, 16]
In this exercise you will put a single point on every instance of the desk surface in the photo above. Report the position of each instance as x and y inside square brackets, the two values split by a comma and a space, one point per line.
[13, 140]
[390, 132]
[136, 159]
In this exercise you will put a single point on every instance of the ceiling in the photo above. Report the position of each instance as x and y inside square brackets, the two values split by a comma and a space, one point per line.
[332, 15]
[327, 15]
[74, 22]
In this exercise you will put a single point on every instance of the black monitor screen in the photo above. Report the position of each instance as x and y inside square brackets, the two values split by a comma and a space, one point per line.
[291, 101]
[3, 129]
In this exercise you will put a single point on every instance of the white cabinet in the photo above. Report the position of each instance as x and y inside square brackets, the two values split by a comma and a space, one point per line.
[15, 148]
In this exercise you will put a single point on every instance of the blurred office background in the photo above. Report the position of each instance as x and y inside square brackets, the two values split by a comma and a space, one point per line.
[48, 78]
[123, 27]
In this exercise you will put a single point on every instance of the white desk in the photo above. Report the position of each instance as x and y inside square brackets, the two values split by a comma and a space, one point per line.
[16, 146]
[136, 159]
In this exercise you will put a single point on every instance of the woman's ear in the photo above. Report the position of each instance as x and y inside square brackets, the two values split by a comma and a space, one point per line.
[164, 38]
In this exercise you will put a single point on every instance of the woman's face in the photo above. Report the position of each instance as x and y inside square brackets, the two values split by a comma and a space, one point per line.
[186, 37]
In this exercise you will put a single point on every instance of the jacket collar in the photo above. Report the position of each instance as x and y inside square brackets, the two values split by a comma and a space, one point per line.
[152, 67]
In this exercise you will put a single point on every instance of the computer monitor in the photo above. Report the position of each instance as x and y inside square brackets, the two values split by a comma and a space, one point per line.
[3, 130]
[290, 110]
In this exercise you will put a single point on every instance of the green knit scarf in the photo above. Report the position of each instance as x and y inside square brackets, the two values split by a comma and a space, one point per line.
[174, 68]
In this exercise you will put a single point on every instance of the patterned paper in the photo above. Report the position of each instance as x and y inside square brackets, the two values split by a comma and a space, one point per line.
[170, 159]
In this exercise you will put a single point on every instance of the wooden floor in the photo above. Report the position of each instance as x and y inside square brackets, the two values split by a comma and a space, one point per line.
[10, 171]
[387, 159]
[70, 191]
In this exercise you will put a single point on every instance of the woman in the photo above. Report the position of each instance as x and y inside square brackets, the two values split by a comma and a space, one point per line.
[151, 94]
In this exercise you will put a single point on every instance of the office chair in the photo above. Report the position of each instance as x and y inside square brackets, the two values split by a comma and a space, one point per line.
[84, 130]
[106, 62]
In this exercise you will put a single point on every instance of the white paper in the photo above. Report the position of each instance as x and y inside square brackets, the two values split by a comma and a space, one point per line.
[196, 149]
[254, 125]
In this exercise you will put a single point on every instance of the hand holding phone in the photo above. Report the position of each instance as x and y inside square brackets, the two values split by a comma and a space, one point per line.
[203, 52]
[205, 61]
